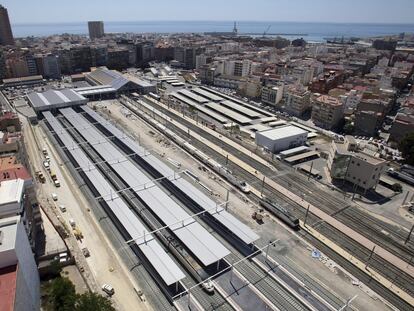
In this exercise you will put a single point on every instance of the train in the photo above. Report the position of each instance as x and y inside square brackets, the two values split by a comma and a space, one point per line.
[281, 213]
[206, 160]
[216, 167]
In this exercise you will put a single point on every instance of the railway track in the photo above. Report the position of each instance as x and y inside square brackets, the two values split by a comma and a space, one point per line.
[315, 195]
[360, 252]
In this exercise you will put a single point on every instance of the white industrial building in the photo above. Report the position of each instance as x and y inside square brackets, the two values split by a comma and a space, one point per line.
[281, 138]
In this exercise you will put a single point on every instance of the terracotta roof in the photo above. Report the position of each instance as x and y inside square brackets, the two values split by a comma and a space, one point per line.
[18, 171]
[8, 281]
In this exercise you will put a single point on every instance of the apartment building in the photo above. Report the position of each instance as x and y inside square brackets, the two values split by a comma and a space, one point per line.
[272, 95]
[296, 100]
[327, 111]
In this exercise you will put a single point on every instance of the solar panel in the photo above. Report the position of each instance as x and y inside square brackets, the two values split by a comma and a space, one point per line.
[195, 237]
[152, 250]
[233, 224]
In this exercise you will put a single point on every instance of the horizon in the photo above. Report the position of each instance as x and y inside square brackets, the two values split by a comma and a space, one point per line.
[215, 21]
[351, 11]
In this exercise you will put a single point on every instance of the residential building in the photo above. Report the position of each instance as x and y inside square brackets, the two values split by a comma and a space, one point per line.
[6, 35]
[327, 112]
[367, 123]
[402, 125]
[272, 95]
[50, 66]
[118, 59]
[346, 163]
[3, 71]
[96, 29]
[296, 100]
[145, 52]
[19, 277]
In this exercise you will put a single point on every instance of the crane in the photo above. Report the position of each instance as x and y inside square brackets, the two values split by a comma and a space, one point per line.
[266, 31]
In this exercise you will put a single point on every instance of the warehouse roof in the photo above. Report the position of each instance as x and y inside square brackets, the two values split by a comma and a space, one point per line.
[193, 96]
[230, 114]
[283, 132]
[241, 109]
[51, 98]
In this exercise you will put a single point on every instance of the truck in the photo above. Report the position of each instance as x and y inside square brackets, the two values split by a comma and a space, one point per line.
[40, 177]
[77, 233]
[53, 175]
[258, 216]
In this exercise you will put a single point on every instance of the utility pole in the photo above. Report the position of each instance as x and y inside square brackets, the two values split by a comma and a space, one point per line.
[227, 199]
[347, 303]
[306, 216]
[263, 182]
[370, 256]
[409, 235]
[310, 172]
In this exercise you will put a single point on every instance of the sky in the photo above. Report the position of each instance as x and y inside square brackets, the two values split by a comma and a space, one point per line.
[341, 11]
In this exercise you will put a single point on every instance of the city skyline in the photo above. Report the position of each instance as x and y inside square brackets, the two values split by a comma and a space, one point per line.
[352, 11]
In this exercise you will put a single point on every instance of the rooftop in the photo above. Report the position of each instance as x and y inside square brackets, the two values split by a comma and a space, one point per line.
[11, 191]
[52, 98]
[8, 228]
[283, 132]
[8, 280]
[329, 100]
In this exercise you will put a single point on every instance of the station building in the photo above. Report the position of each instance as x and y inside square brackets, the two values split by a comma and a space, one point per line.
[346, 163]
[55, 99]
[281, 138]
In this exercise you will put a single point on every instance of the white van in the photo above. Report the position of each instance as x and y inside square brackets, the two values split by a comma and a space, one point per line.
[108, 289]
[72, 223]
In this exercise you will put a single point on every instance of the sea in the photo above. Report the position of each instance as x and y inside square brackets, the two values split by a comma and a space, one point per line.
[312, 32]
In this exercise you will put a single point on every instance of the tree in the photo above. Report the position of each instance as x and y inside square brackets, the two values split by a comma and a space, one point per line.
[93, 302]
[406, 147]
[397, 187]
[349, 127]
[62, 294]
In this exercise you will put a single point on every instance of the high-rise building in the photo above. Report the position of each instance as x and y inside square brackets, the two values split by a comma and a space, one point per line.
[6, 35]
[96, 29]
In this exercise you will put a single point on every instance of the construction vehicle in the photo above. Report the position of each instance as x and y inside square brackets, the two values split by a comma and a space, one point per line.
[53, 175]
[258, 216]
[77, 233]
[40, 177]
[86, 252]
